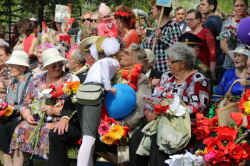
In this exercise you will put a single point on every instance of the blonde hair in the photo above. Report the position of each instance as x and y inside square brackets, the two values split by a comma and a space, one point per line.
[87, 12]
[43, 38]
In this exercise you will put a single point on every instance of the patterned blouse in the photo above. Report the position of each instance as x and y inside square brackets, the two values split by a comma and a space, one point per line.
[171, 32]
[194, 91]
[5, 79]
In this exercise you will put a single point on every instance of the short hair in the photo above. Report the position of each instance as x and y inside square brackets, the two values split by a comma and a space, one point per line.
[6, 49]
[181, 51]
[31, 26]
[167, 10]
[87, 31]
[212, 2]
[196, 12]
[2, 32]
[129, 20]
[179, 8]
[245, 1]
[75, 24]
[22, 25]
[78, 56]
[140, 57]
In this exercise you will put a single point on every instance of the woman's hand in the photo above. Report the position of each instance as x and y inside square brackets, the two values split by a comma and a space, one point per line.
[28, 117]
[61, 126]
[150, 115]
[48, 109]
[158, 33]
[244, 82]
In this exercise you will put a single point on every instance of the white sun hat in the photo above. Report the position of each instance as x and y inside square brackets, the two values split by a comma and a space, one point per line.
[241, 49]
[18, 58]
[51, 56]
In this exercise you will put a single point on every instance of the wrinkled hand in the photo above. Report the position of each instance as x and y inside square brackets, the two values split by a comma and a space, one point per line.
[151, 115]
[30, 120]
[158, 33]
[113, 90]
[48, 110]
[61, 127]
[244, 82]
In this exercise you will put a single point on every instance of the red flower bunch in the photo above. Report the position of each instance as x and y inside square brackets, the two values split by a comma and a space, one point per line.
[232, 30]
[56, 91]
[205, 126]
[132, 75]
[122, 14]
[242, 16]
[223, 150]
[161, 109]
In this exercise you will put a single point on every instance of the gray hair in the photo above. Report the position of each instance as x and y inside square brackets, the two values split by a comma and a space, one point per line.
[78, 56]
[140, 56]
[181, 51]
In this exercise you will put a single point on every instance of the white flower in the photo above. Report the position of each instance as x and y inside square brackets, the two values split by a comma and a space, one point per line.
[110, 46]
[93, 51]
[188, 159]
[175, 160]
[45, 94]
[198, 160]
[176, 108]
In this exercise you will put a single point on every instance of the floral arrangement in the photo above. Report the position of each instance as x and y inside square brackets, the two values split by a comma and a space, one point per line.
[71, 88]
[48, 96]
[222, 143]
[132, 75]
[5, 111]
[231, 33]
[112, 133]
[122, 14]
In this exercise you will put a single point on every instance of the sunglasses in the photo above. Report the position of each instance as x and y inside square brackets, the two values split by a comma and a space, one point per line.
[91, 20]
[87, 19]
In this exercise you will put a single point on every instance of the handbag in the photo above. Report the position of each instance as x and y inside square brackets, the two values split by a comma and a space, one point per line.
[123, 154]
[90, 94]
[226, 106]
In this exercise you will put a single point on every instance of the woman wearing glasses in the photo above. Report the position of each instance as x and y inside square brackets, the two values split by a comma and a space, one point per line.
[53, 63]
[85, 22]
[207, 47]
[192, 88]
[94, 20]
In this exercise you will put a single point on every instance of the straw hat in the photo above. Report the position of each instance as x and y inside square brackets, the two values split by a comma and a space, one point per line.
[150, 55]
[19, 58]
[241, 50]
[51, 56]
[86, 42]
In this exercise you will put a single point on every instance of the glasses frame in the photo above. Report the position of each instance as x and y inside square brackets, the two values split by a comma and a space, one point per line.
[87, 19]
[92, 20]
[176, 61]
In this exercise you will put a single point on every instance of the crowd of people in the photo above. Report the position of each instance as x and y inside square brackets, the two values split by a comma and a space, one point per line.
[190, 54]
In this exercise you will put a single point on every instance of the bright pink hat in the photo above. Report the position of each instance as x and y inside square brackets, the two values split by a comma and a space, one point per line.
[104, 10]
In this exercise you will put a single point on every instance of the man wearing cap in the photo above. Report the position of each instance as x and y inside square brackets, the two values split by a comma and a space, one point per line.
[67, 129]
[193, 41]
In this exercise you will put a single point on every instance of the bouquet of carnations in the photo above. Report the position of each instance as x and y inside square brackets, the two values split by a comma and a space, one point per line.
[5, 111]
[112, 133]
[71, 88]
[48, 97]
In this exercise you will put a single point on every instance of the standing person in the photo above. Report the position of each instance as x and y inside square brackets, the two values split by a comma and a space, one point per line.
[229, 42]
[74, 29]
[30, 42]
[180, 16]
[22, 26]
[18, 66]
[85, 22]
[106, 27]
[99, 74]
[207, 53]
[214, 24]
[126, 26]
[167, 34]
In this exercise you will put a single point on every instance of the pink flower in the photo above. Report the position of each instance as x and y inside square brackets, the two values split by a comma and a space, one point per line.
[3, 105]
[209, 156]
[103, 129]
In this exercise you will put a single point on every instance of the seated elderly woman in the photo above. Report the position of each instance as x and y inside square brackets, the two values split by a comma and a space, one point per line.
[18, 65]
[53, 63]
[189, 85]
[132, 55]
[239, 72]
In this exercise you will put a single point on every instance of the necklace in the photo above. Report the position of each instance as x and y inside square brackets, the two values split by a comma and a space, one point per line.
[239, 73]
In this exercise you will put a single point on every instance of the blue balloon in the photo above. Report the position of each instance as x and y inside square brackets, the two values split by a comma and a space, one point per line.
[122, 103]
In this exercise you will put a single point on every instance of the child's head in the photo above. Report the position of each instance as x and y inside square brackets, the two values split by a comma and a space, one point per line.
[104, 47]
[104, 12]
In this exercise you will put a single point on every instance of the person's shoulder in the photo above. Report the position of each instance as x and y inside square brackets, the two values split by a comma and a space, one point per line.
[198, 77]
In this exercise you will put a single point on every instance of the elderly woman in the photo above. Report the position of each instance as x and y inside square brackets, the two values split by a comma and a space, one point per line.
[53, 63]
[129, 57]
[189, 85]
[41, 48]
[5, 53]
[17, 65]
[126, 26]
[240, 56]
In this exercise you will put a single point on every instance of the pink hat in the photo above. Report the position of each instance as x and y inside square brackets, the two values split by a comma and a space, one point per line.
[104, 10]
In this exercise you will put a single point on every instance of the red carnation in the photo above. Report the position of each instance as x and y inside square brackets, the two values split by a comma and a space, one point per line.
[158, 108]
[246, 152]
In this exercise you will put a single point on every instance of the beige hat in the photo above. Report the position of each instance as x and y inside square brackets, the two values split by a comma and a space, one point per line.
[86, 42]
[19, 58]
[150, 55]
[51, 56]
[241, 50]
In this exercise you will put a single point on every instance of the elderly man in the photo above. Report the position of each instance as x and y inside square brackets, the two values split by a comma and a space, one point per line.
[68, 129]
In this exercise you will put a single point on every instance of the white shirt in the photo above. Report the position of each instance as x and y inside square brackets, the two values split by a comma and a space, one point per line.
[103, 71]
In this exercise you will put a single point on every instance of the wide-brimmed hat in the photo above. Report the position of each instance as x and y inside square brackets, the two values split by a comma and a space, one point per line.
[86, 42]
[241, 49]
[51, 56]
[18, 58]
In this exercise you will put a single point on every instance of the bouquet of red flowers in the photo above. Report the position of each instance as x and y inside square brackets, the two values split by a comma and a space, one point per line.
[5, 111]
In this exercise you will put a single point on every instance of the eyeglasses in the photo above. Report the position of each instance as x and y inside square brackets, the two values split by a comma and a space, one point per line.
[172, 62]
[91, 20]
[55, 65]
[190, 19]
[87, 19]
